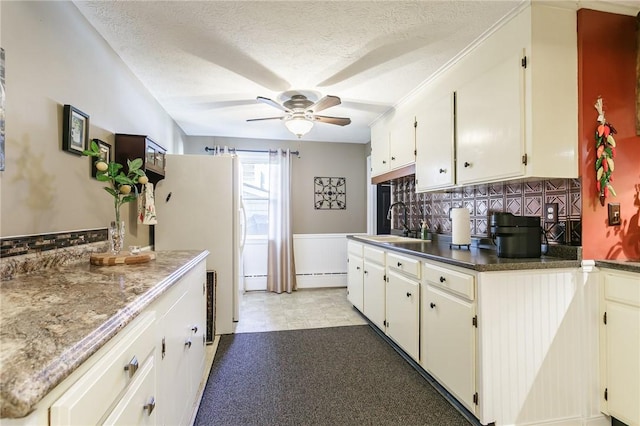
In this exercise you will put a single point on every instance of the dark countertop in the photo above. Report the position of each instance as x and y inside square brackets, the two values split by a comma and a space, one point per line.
[622, 265]
[53, 320]
[475, 258]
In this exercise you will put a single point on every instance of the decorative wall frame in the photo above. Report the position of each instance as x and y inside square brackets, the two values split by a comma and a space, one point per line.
[105, 155]
[330, 193]
[75, 130]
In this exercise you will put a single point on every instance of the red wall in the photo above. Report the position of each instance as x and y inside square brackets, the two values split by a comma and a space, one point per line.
[607, 68]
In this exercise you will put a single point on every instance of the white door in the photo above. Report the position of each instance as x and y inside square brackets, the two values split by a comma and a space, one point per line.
[355, 281]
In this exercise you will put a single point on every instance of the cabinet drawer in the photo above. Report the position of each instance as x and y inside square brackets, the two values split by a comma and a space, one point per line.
[374, 254]
[623, 288]
[137, 405]
[91, 396]
[450, 280]
[354, 248]
[405, 264]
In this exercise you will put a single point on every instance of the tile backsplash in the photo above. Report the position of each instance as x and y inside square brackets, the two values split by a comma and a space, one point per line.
[519, 198]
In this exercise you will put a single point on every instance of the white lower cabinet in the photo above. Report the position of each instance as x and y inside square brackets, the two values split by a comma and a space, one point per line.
[149, 373]
[620, 346]
[403, 302]
[355, 275]
[403, 312]
[448, 332]
[139, 394]
[374, 285]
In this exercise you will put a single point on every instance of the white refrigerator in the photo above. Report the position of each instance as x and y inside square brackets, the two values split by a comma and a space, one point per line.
[199, 206]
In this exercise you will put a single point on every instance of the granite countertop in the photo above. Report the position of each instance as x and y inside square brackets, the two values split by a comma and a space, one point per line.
[53, 320]
[622, 265]
[476, 258]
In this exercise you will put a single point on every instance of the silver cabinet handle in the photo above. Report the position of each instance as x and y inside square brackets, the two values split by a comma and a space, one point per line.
[194, 328]
[188, 343]
[150, 406]
[408, 294]
[132, 367]
[399, 264]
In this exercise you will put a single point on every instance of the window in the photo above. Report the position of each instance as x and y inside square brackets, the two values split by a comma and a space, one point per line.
[255, 191]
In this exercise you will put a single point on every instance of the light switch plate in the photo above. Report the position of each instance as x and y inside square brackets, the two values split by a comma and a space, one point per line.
[614, 214]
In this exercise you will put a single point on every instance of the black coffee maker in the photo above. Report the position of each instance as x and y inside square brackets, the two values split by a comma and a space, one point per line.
[516, 236]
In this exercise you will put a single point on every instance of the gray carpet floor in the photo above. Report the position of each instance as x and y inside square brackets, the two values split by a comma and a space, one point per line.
[325, 376]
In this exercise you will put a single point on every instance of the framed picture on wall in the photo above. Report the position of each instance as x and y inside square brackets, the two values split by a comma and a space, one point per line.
[75, 130]
[105, 155]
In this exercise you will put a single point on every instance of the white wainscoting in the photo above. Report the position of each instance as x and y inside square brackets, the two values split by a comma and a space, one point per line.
[536, 340]
[321, 261]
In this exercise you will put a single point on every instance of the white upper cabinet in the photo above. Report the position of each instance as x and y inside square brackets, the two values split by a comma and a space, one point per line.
[393, 142]
[490, 123]
[435, 162]
[380, 162]
[402, 140]
[515, 112]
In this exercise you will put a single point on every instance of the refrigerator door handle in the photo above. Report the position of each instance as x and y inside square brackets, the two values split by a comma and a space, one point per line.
[243, 226]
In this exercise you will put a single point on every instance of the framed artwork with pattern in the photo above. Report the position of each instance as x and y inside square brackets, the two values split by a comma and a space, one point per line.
[330, 193]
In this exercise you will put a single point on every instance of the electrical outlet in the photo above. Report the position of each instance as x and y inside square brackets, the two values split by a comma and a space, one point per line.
[614, 214]
[551, 212]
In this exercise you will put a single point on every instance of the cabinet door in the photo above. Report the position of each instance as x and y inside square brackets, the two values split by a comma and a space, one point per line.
[434, 144]
[173, 363]
[489, 123]
[402, 141]
[623, 361]
[403, 312]
[374, 293]
[448, 343]
[355, 283]
[379, 148]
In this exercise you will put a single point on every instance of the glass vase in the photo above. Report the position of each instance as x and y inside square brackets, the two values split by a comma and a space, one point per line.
[116, 236]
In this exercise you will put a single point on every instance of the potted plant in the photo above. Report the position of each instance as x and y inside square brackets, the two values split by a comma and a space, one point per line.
[121, 186]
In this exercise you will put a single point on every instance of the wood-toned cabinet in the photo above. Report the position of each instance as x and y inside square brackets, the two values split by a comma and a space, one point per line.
[620, 345]
[152, 154]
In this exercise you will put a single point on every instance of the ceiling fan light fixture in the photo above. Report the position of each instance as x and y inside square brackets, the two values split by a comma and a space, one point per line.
[299, 126]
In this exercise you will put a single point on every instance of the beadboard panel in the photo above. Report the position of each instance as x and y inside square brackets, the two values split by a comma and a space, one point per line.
[530, 347]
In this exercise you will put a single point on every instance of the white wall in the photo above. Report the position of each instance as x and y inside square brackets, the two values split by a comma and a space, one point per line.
[54, 57]
[317, 159]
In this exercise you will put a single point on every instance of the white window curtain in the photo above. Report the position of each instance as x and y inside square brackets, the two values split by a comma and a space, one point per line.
[281, 274]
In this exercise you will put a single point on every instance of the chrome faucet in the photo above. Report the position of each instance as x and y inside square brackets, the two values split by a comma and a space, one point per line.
[404, 223]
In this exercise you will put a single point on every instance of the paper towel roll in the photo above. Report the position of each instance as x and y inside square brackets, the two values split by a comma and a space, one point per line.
[460, 226]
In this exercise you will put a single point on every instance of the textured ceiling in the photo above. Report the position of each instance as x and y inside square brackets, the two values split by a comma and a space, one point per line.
[205, 62]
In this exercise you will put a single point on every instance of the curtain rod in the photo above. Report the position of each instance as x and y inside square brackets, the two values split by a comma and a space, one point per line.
[270, 151]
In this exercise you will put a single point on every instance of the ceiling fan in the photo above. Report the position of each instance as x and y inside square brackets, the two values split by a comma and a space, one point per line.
[300, 113]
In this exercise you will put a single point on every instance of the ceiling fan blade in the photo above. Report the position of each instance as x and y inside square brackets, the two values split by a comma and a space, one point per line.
[267, 118]
[271, 102]
[324, 103]
[340, 121]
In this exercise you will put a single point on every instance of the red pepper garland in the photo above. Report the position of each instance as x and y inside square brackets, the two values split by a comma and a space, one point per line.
[605, 152]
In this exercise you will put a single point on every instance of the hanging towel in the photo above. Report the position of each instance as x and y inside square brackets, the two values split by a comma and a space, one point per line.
[147, 206]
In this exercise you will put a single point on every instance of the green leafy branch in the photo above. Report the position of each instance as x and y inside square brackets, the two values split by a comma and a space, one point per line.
[121, 184]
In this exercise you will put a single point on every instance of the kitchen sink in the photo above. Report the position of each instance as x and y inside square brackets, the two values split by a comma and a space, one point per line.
[391, 239]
